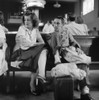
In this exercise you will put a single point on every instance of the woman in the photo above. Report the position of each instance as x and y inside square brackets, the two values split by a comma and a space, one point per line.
[30, 49]
[2, 22]
[3, 46]
[83, 27]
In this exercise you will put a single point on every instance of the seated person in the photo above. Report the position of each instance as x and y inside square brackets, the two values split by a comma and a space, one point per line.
[30, 49]
[48, 28]
[2, 22]
[76, 28]
[3, 46]
[82, 26]
[60, 40]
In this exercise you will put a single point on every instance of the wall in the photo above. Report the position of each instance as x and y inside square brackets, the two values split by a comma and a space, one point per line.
[92, 18]
[49, 12]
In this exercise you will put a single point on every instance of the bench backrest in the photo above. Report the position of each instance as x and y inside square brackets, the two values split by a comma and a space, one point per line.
[89, 44]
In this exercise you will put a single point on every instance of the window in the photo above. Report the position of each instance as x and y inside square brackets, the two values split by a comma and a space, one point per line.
[88, 6]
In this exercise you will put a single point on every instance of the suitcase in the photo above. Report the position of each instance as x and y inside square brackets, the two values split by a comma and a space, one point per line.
[63, 88]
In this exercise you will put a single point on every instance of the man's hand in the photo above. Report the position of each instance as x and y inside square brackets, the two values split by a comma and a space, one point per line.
[79, 51]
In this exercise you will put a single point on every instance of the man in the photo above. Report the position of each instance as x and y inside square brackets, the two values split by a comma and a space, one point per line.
[57, 45]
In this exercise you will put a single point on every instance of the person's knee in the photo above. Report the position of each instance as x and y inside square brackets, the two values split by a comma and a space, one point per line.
[44, 52]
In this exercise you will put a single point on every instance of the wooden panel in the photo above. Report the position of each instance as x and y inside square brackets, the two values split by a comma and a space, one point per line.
[90, 45]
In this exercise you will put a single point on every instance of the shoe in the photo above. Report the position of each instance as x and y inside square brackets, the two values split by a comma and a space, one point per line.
[41, 84]
[86, 97]
[35, 93]
[16, 64]
[41, 79]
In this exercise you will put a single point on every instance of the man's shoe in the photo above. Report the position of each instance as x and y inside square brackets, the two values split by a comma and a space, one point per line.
[86, 97]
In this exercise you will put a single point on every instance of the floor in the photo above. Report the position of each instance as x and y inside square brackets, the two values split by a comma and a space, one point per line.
[22, 88]
[45, 96]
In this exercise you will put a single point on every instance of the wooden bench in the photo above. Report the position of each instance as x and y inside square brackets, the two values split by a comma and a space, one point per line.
[88, 44]
[11, 43]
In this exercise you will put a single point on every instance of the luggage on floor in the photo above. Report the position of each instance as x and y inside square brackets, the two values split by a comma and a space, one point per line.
[63, 88]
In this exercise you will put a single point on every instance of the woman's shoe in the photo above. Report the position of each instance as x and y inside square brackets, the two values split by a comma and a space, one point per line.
[41, 84]
[41, 79]
[35, 93]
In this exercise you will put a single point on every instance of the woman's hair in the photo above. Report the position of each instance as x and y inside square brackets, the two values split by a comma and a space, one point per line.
[34, 19]
[1, 18]
[79, 20]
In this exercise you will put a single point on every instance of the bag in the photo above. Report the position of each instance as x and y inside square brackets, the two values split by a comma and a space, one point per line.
[63, 88]
[74, 57]
[66, 69]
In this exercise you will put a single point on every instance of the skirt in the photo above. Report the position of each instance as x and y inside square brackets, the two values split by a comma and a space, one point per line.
[28, 57]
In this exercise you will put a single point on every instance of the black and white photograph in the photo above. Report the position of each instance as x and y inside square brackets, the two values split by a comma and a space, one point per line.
[49, 49]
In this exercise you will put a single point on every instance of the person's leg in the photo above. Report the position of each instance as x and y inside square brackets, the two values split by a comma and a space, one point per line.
[86, 69]
[57, 57]
[85, 92]
[83, 85]
[42, 63]
[87, 75]
[32, 81]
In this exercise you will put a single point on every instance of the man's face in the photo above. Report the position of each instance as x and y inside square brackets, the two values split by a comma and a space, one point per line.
[57, 24]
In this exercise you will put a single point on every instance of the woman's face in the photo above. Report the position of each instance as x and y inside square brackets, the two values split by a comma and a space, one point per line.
[28, 22]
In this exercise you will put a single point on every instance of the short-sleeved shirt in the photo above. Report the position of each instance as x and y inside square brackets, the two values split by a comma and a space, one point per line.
[2, 35]
[29, 36]
[76, 29]
[48, 29]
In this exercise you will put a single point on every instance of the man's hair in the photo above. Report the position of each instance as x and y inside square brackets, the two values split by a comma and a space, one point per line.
[71, 17]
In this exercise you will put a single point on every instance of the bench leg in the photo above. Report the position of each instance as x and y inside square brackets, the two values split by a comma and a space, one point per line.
[8, 82]
[13, 80]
